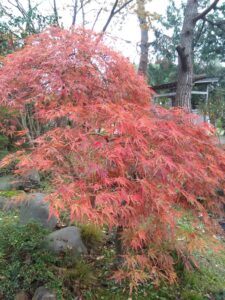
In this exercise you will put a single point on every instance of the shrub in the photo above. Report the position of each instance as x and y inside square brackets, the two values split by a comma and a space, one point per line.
[24, 263]
[116, 159]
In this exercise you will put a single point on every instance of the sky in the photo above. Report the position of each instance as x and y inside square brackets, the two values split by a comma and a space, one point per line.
[126, 36]
[130, 32]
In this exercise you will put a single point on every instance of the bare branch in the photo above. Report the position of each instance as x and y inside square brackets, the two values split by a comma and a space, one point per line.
[199, 33]
[19, 6]
[206, 11]
[114, 11]
[96, 19]
[123, 6]
[219, 24]
[110, 16]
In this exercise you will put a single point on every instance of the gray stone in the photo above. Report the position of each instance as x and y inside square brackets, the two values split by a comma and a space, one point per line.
[43, 293]
[36, 210]
[8, 203]
[66, 240]
[25, 182]
[22, 296]
[3, 202]
[7, 183]
[28, 181]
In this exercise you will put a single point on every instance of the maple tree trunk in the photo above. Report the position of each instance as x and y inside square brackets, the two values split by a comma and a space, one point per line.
[142, 17]
[185, 57]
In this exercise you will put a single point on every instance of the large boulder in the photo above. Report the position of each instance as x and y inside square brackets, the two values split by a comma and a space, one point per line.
[25, 182]
[29, 180]
[66, 240]
[10, 200]
[7, 183]
[43, 293]
[34, 209]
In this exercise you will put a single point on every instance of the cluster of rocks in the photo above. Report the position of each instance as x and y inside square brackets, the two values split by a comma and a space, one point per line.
[33, 208]
[25, 182]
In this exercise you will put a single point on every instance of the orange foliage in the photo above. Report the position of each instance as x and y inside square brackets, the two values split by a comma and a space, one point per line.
[115, 158]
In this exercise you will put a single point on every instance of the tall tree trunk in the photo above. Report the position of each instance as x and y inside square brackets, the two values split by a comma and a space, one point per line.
[143, 22]
[185, 56]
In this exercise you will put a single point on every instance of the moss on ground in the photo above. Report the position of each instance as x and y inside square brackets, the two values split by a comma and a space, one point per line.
[10, 194]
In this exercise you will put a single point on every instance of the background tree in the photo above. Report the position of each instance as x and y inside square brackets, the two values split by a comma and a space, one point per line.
[207, 39]
[185, 51]
[17, 21]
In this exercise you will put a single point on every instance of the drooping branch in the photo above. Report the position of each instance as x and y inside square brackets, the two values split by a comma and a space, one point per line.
[115, 10]
[206, 11]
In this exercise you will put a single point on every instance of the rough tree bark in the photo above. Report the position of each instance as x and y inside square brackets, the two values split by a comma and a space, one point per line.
[185, 52]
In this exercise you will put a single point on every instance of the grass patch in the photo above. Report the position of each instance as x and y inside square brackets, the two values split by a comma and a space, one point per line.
[10, 194]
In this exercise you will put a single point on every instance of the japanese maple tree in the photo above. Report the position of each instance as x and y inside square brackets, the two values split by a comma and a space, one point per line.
[115, 158]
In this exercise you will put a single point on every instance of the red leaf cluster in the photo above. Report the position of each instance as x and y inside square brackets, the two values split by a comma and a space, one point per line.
[115, 158]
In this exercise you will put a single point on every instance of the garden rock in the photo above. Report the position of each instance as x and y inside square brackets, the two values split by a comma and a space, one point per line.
[7, 183]
[29, 180]
[36, 210]
[22, 296]
[8, 203]
[66, 240]
[43, 293]
[3, 202]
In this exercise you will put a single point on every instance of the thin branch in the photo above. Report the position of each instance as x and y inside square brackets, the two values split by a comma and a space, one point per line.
[110, 16]
[217, 24]
[19, 6]
[96, 19]
[206, 11]
[199, 33]
[29, 24]
[114, 11]
[123, 6]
